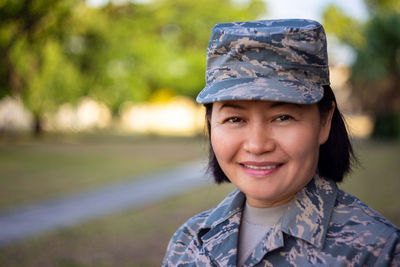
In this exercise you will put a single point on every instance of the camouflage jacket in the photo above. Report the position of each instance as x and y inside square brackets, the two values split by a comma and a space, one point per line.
[324, 227]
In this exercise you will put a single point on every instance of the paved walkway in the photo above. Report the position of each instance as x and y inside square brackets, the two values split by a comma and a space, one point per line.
[33, 219]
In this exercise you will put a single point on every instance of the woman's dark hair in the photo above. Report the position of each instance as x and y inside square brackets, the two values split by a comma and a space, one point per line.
[336, 155]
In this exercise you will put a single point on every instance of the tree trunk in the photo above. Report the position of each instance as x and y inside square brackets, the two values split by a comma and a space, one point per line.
[38, 126]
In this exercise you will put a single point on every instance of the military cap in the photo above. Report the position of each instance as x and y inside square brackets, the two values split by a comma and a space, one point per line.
[279, 60]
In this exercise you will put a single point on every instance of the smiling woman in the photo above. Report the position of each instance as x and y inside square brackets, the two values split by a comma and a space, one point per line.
[258, 139]
[276, 133]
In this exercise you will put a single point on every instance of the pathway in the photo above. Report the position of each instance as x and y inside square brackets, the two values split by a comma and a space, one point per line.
[33, 219]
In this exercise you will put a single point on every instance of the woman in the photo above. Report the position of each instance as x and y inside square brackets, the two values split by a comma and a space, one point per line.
[276, 134]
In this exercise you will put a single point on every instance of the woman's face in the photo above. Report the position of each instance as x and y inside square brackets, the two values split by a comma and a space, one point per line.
[269, 150]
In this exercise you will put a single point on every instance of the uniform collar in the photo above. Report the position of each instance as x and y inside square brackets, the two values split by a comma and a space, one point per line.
[307, 219]
[230, 206]
[310, 213]
[220, 231]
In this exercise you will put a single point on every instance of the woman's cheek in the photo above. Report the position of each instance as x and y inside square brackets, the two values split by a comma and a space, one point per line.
[224, 142]
[297, 141]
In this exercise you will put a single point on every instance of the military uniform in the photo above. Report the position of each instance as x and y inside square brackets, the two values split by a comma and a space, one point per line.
[324, 227]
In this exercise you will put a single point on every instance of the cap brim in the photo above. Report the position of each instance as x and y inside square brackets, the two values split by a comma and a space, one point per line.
[272, 89]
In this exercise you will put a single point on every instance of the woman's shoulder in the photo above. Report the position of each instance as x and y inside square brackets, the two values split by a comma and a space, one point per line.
[185, 238]
[193, 224]
[349, 207]
[363, 229]
[232, 203]
[185, 245]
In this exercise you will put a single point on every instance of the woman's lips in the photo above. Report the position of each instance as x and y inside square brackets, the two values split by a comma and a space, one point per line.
[260, 169]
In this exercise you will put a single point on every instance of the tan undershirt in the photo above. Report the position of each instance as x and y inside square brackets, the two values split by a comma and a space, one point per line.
[255, 224]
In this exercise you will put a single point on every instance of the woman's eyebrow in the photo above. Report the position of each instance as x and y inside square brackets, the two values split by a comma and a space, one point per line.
[279, 104]
[272, 105]
[230, 105]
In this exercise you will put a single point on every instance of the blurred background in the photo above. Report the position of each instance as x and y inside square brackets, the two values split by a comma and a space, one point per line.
[97, 92]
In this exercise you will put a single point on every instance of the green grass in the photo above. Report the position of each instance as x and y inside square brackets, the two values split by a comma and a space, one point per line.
[377, 180]
[32, 170]
[133, 238]
[140, 237]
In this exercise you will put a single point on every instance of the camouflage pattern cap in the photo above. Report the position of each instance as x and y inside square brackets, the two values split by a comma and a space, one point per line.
[277, 60]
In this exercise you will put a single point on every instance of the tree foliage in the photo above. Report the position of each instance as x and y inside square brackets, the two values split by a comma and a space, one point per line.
[346, 28]
[375, 74]
[378, 6]
[376, 71]
[24, 27]
[55, 51]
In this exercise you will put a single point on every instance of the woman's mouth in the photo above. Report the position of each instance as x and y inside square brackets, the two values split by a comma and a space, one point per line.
[269, 167]
[260, 168]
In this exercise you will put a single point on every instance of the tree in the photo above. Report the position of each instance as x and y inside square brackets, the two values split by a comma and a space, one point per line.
[375, 74]
[25, 28]
[376, 71]
[58, 51]
[162, 45]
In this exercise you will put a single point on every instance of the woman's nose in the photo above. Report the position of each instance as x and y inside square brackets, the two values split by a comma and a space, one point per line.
[259, 140]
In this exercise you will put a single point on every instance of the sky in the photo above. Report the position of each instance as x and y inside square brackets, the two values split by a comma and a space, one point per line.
[312, 9]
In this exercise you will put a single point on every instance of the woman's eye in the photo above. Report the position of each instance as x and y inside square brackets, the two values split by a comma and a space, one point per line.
[234, 120]
[284, 117]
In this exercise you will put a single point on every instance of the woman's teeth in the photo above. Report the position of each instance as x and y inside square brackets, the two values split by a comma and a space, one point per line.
[269, 167]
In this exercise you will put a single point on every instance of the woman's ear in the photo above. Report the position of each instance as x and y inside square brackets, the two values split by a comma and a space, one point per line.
[326, 123]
